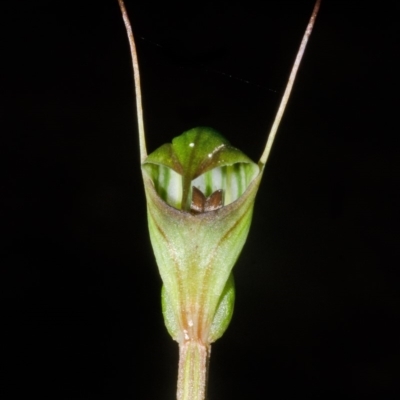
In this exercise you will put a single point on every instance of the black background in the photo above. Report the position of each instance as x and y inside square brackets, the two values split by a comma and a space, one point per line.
[317, 309]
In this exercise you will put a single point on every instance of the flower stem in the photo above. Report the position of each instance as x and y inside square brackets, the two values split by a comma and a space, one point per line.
[192, 373]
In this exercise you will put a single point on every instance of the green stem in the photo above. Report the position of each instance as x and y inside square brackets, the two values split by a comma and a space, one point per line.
[192, 373]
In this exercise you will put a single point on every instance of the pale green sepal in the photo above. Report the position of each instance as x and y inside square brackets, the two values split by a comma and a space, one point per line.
[224, 312]
[222, 317]
[169, 315]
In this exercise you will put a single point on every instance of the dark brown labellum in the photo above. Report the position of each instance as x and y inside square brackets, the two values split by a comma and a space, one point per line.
[201, 203]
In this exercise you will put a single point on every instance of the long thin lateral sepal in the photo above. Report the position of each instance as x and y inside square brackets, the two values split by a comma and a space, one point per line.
[135, 65]
[289, 85]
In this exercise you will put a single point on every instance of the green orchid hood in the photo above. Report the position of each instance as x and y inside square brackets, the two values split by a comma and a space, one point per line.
[200, 194]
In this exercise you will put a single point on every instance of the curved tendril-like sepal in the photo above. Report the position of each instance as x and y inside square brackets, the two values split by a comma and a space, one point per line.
[136, 75]
[289, 85]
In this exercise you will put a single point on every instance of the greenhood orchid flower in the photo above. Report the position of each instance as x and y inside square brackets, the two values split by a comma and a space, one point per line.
[200, 194]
